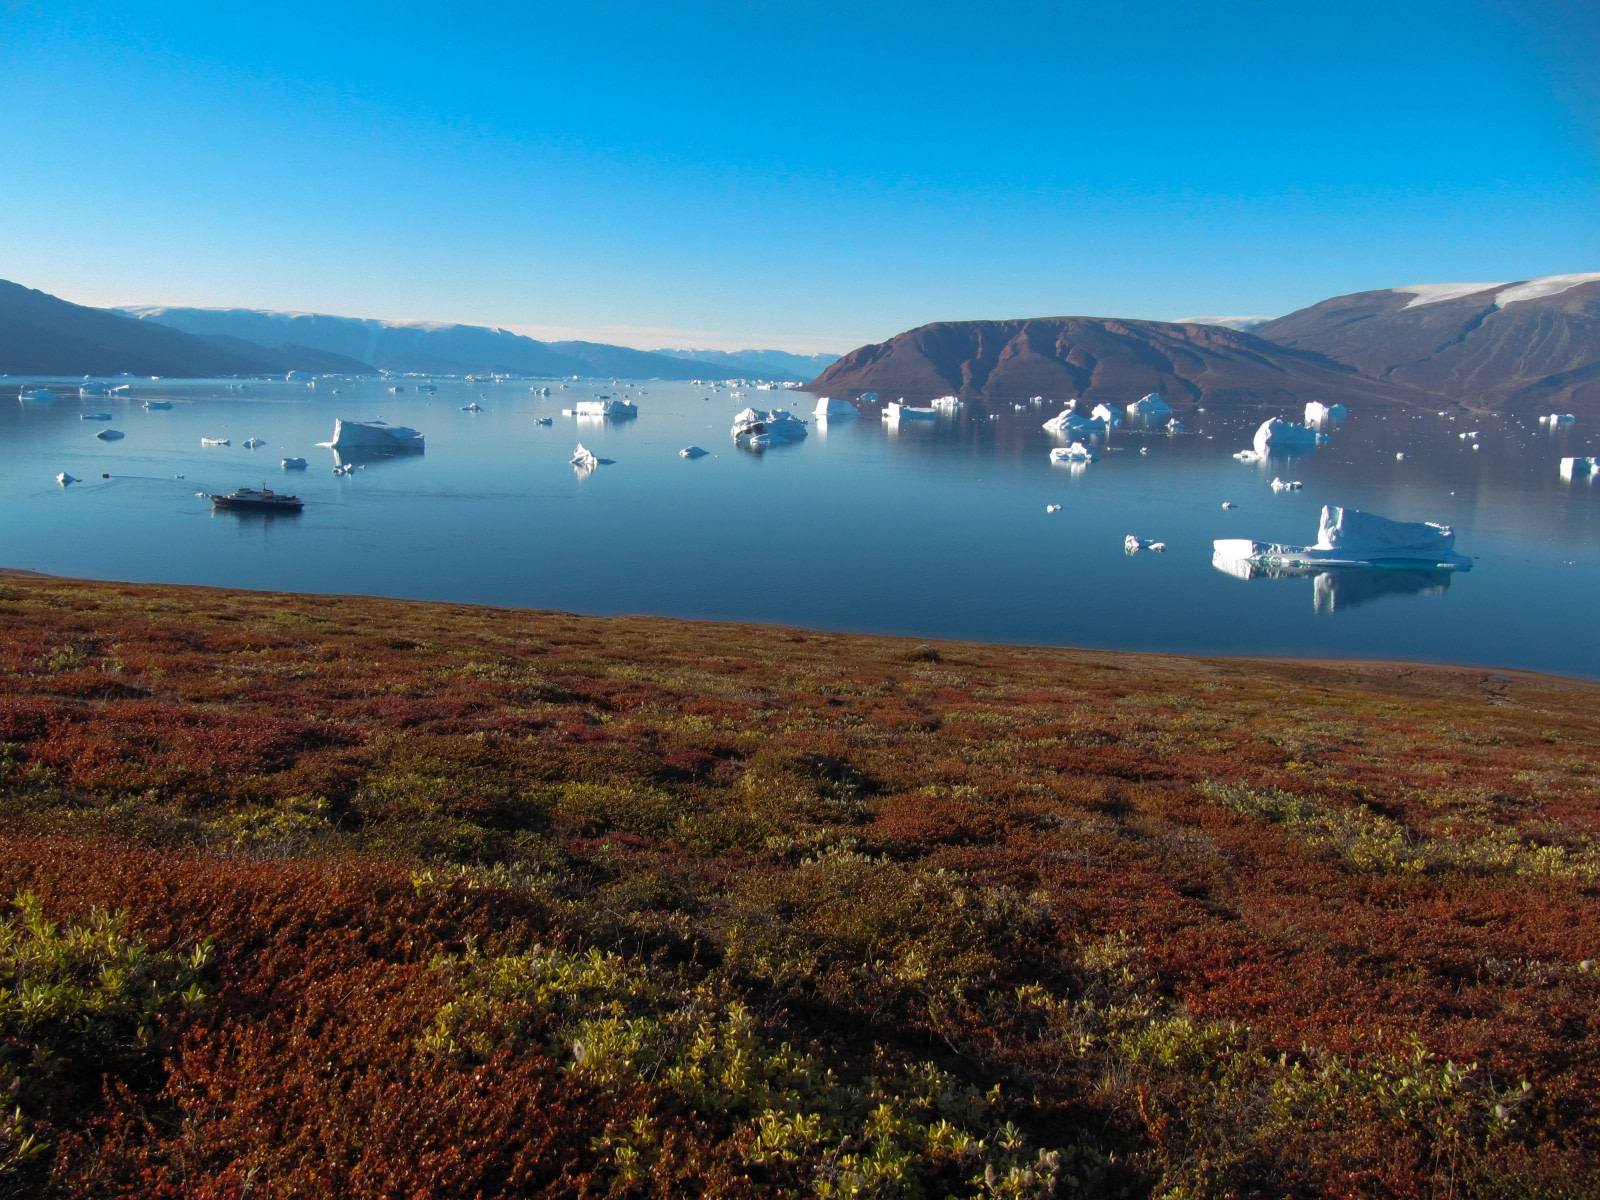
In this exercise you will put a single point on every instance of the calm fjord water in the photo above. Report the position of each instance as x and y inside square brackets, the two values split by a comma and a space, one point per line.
[938, 529]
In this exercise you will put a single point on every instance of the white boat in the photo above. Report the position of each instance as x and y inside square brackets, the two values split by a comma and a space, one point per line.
[215, 442]
[376, 437]
[1348, 537]
[759, 428]
[606, 406]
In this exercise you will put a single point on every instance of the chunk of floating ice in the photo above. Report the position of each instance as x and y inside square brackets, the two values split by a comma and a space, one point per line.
[293, 464]
[1106, 416]
[1075, 424]
[1151, 405]
[834, 410]
[1279, 434]
[1347, 537]
[759, 428]
[1399, 456]
[1248, 456]
[544, 421]
[250, 443]
[1133, 544]
[63, 479]
[948, 403]
[1228, 504]
[1316, 413]
[110, 435]
[608, 407]
[1558, 419]
[692, 452]
[1076, 453]
[583, 458]
[1052, 508]
[1174, 426]
[1144, 449]
[1470, 436]
[1579, 466]
[1286, 485]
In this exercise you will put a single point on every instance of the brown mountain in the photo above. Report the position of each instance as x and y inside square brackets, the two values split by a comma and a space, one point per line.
[1531, 346]
[1101, 359]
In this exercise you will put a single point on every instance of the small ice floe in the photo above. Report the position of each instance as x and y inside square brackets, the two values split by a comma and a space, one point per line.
[94, 416]
[1347, 537]
[63, 479]
[215, 442]
[1318, 413]
[1580, 466]
[1075, 453]
[36, 395]
[947, 403]
[545, 421]
[1229, 504]
[1175, 425]
[1278, 434]
[293, 464]
[252, 443]
[1558, 419]
[1399, 456]
[110, 435]
[1286, 485]
[760, 428]
[1470, 435]
[1149, 406]
[152, 405]
[343, 468]
[1133, 544]
[692, 452]
[1052, 508]
[1248, 456]
[1144, 449]
[830, 409]
[473, 407]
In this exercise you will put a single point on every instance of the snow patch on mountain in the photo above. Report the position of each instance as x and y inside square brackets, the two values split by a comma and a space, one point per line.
[1550, 285]
[1433, 293]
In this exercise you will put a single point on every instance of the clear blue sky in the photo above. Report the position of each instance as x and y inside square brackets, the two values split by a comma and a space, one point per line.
[791, 174]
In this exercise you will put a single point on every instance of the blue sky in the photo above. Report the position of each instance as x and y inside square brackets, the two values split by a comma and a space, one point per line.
[797, 175]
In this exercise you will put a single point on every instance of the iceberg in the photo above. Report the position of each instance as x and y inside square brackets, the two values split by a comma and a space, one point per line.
[896, 410]
[1077, 452]
[692, 452]
[63, 479]
[607, 407]
[1580, 466]
[948, 403]
[584, 459]
[110, 435]
[1286, 485]
[1072, 424]
[760, 428]
[1104, 414]
[1132, 544]
[1317, 413]
[829, 409]
[375, 437]
[94, 416]
[1558, 419]
[1278, 434]
[1348, 537]
[293, 464]
[1149, 406]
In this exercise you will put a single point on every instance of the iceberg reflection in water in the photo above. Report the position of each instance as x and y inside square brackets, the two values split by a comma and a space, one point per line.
[1338, 588]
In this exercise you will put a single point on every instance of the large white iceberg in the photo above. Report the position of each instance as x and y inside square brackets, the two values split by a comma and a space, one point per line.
[1317, 413]
[1149, 406]
[1347, 537]
[1579, 466]
[606, 407]
[1104, 414]
[377, 437]
[1072, 424]
[1278, 434]
[759, 428]
[829, 409]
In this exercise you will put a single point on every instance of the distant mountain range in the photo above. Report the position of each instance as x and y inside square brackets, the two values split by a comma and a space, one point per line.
[41, 334]
[1530, 346]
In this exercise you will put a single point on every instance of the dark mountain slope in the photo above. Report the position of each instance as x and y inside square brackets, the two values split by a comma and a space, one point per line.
[1098, 359]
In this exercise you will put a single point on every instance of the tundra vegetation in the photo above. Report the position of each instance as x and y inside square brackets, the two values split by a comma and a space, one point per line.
[337, 896]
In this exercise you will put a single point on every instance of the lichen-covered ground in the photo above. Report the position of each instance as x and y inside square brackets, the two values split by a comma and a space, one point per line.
[339, 896]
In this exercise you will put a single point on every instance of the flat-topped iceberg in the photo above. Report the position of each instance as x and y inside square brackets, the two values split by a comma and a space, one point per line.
[377, 437]
[1149, 406]
[1278, 434]
[1348, 537]
[897, 410]
[606, 407]
[1579, 466]
[829, 409]
[1317, 413]
[759, 428]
